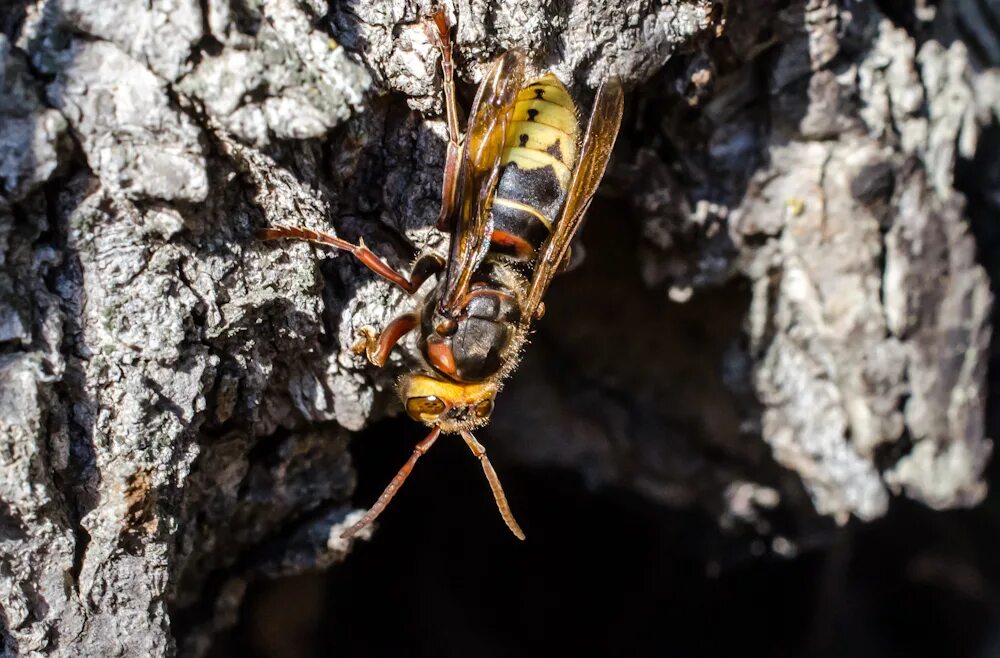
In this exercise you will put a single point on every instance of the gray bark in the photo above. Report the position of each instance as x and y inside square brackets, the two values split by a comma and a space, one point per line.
[176, 400]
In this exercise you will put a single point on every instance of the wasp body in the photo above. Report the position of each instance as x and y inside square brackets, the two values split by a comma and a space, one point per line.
[514, 193]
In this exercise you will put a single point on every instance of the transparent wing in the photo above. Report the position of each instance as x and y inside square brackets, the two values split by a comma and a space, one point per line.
[480, 169]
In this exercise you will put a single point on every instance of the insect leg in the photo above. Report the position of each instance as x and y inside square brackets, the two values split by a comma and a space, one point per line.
[425, 267]
[491, 476]
[438, 31]
[377, 347]
[394, 485]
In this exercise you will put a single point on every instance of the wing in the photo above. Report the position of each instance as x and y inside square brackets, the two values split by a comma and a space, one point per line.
[602, 130]
[480, 170]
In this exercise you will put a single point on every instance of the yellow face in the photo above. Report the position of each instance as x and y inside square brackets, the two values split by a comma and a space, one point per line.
[449, 405]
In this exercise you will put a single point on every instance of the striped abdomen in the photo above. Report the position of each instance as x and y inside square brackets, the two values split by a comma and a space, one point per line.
[537, 161]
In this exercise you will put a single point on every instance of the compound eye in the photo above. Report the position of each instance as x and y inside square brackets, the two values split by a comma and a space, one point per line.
[484, 408]
[426, 409]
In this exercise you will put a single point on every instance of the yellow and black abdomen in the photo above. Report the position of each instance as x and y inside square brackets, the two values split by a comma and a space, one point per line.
[536, 165]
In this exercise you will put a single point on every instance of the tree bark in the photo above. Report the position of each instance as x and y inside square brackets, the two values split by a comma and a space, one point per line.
[781, 305]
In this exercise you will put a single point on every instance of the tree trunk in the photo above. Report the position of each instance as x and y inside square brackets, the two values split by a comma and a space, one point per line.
[781, 305]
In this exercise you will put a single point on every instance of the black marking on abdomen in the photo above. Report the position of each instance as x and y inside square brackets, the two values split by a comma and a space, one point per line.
[517, 219]
[527, 203]
[537, 187]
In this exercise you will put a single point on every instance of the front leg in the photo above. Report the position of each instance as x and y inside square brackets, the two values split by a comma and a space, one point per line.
[378, 346]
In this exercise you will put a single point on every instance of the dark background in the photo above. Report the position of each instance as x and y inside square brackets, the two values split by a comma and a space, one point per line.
[609, 574]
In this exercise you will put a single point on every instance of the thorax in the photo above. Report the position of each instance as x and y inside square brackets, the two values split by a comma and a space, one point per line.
[474, 344]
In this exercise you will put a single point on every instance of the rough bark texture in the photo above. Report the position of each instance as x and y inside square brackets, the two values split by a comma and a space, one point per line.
[176, 399]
